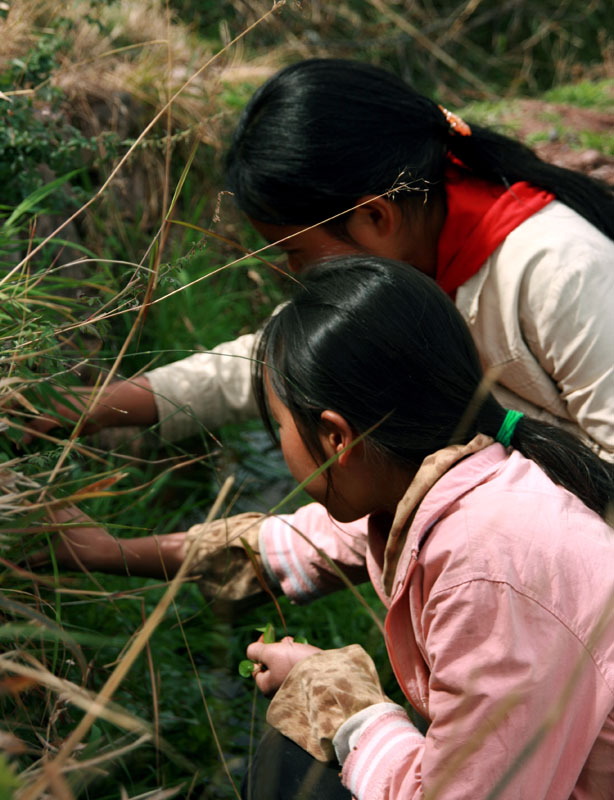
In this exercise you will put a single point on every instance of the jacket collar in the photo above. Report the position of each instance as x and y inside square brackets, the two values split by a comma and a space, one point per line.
[439, 482]
[479, 216]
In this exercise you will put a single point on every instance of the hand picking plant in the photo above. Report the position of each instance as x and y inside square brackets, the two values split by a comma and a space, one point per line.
[246, 667]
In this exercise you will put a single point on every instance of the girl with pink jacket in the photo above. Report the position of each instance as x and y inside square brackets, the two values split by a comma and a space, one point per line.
[487, 542]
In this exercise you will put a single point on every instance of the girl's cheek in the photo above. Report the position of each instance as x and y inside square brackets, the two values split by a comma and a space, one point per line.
[295, 264]
[316, 489]
[287, 454]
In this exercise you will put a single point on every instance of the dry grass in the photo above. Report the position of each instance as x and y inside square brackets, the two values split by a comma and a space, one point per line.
[120, 63]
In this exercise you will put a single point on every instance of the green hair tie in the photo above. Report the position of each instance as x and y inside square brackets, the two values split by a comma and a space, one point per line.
[508, 426]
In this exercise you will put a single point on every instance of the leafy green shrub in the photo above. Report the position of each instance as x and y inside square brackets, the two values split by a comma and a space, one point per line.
[35, 130]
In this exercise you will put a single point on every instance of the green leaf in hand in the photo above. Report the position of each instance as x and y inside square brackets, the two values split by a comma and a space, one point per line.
[268, 633]
[246, 667]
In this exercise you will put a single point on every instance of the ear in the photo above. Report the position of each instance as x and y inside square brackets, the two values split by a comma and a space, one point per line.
[336, 435]
[375, 225]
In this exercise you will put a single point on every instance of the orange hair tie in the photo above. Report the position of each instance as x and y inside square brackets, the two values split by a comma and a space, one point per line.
[455, 123]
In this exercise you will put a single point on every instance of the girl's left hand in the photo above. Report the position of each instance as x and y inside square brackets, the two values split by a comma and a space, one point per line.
[277, 660]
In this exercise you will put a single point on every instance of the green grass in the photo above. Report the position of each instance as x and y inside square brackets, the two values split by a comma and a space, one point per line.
[506, 116]
[586, 94]
[576, 140]
[200, 657]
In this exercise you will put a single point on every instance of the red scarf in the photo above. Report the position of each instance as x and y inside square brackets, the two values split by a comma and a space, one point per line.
[479, 217]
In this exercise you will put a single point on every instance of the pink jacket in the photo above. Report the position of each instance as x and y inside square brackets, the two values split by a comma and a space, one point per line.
[500, 631]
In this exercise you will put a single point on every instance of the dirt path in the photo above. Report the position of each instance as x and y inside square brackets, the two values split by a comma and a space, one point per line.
[531, 117]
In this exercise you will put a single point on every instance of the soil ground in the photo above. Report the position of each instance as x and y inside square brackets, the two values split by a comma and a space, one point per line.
[532, 118]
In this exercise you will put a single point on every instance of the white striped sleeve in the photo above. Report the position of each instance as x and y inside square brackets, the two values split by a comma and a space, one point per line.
[284, 557]
[303, 552]
[375, 746]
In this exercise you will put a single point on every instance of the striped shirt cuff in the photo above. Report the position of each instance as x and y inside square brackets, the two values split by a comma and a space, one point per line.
[372, 744]
[281, 550]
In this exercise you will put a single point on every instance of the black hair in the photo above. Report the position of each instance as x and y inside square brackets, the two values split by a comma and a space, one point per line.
[383, 346]
[322, 133]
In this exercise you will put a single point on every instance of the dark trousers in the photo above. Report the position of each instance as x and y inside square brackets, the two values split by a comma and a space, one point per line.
[281, 770]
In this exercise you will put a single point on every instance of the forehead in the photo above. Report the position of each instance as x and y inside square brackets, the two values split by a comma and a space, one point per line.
[275, 233]
[285, 235]
[317, 241]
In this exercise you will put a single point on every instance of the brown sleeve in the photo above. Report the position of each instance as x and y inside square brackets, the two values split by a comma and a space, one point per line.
[226, 571]
[320, 693]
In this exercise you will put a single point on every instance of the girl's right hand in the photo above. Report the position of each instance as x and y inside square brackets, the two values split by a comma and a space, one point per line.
[277, 660]
[63, 415]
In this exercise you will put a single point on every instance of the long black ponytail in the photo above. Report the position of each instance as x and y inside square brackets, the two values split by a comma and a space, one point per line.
[322, 133]
[413, 372]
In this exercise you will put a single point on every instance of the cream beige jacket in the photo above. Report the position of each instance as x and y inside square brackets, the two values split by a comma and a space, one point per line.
[541, 312]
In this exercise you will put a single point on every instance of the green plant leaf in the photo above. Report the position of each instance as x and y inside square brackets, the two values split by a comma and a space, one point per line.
[32, 200]
[9, 782]
[268, 633]
[246, 668]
